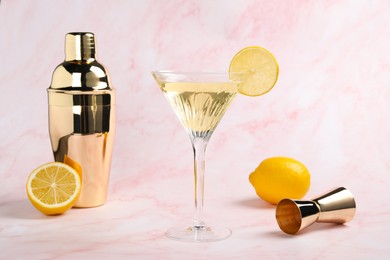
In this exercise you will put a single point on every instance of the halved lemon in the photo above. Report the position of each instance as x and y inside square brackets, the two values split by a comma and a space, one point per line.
[53, 188]
[258, 70]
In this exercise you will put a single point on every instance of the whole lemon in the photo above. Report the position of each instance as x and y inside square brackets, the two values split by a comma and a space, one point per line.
[277, 178]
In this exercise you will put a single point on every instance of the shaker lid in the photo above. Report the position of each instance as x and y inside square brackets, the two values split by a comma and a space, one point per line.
[80, 46]
[80, 71]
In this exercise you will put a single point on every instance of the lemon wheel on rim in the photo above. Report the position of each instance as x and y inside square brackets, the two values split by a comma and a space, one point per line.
[257, 68]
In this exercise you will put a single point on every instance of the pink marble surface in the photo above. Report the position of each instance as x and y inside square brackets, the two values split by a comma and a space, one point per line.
[330, 110]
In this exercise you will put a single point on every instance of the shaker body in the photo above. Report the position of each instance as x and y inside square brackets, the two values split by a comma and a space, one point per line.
[84, 132]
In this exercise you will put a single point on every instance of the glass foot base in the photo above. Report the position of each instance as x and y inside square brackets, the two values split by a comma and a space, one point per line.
[198, 234]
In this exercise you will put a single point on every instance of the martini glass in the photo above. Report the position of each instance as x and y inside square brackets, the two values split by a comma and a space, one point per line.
[199, 100]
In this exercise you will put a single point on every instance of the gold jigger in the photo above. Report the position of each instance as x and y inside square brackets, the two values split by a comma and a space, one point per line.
[336, 206]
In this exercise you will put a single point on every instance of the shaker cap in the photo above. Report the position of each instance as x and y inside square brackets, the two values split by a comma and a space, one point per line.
[80, 46]
[80, 71]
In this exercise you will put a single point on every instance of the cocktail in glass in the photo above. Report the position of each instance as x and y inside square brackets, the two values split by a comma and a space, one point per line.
[199, 101]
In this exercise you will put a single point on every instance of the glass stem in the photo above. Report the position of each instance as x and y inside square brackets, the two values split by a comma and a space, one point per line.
[199, 147]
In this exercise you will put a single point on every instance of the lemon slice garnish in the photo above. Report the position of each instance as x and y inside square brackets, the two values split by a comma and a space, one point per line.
[258, 70]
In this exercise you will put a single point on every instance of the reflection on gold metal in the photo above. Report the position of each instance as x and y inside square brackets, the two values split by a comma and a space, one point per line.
[82, 116]
[336, 206]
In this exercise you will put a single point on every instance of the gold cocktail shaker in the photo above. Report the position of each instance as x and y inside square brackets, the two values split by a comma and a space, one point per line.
[82, 116]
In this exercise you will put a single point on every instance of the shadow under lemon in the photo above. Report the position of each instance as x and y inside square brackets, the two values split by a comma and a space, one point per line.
[20, 209]
[254, 202]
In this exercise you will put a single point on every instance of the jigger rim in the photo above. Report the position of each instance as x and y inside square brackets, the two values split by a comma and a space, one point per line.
[288, 216]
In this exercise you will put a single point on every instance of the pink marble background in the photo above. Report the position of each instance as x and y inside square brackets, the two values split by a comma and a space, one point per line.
[329, 109]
